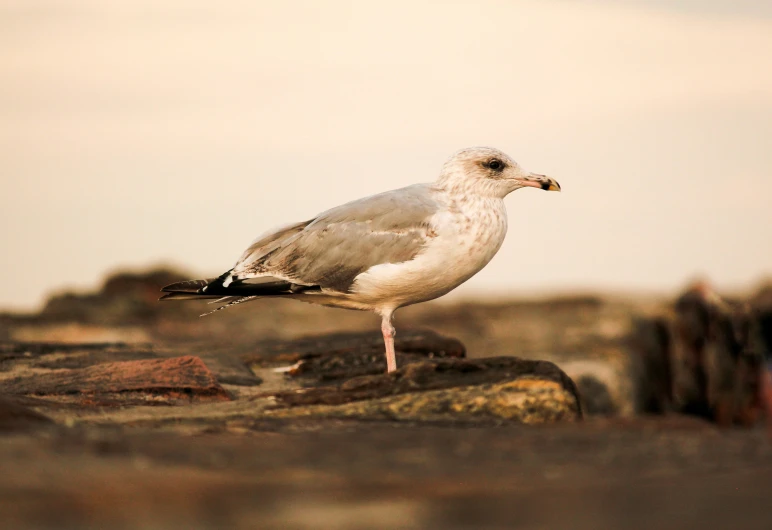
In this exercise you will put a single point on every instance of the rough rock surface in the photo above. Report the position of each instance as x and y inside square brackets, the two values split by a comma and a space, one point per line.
[344, 355]
[323, 379]
[176, 378]
[503, 388]
[528, 401]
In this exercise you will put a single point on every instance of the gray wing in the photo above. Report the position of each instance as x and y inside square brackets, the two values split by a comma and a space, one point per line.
[270, 241]
[333, 249]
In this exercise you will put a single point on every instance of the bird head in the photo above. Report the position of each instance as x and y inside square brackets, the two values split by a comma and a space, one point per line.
[489, 172]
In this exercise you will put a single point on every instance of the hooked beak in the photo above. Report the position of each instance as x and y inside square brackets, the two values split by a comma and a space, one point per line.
[543, 182]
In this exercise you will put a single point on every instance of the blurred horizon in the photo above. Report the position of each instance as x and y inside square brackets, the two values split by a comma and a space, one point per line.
[142, 133]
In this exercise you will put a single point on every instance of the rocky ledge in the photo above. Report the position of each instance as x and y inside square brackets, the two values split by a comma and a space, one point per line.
[334, 376]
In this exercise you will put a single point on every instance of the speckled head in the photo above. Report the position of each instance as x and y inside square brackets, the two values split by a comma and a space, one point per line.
[489, 172]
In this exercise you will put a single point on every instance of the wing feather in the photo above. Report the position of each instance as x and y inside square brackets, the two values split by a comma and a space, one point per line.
[334, 248]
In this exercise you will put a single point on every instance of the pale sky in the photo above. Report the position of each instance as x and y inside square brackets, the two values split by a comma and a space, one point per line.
[143, 132]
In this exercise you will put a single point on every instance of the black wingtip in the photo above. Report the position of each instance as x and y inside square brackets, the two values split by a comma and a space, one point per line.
[188, 286]
[215, 287]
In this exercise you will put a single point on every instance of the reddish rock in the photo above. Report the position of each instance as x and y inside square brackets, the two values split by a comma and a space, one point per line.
[179, 377]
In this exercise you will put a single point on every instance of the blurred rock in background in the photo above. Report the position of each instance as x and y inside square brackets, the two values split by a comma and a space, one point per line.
[705, 356]
[125, 299]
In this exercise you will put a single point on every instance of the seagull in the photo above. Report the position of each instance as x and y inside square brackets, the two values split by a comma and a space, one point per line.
[382, 252]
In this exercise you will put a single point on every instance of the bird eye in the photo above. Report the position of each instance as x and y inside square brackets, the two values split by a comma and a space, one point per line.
[495, 164]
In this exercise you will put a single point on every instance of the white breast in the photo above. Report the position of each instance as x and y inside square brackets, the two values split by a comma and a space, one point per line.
[468, 235]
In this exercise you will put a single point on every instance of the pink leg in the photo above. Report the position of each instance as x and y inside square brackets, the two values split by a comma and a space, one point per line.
[388, 338]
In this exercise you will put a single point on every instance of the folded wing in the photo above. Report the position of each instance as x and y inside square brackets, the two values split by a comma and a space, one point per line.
[333, 249]
[326, 253]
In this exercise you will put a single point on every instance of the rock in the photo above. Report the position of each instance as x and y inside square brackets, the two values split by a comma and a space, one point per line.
[596, 398]
[125, 298]
[230, 370]
[761, 304]
[344, 355]
[500, 388]
[716, 372]
[651, 370]
[19, 350]
[604, 382]
[15, 417]
[55, 355]
[76, 333]
[701, 361]
[170, 379]
[523, 401]
[434, 381]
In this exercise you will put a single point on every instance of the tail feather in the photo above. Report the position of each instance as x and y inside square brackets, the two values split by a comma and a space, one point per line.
[222, 300]
[186, 296]
[188, 286]
[233, 292]
[237, 301]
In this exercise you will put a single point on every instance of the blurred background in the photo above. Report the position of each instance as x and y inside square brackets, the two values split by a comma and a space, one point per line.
[145, 142]
[143, 132]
